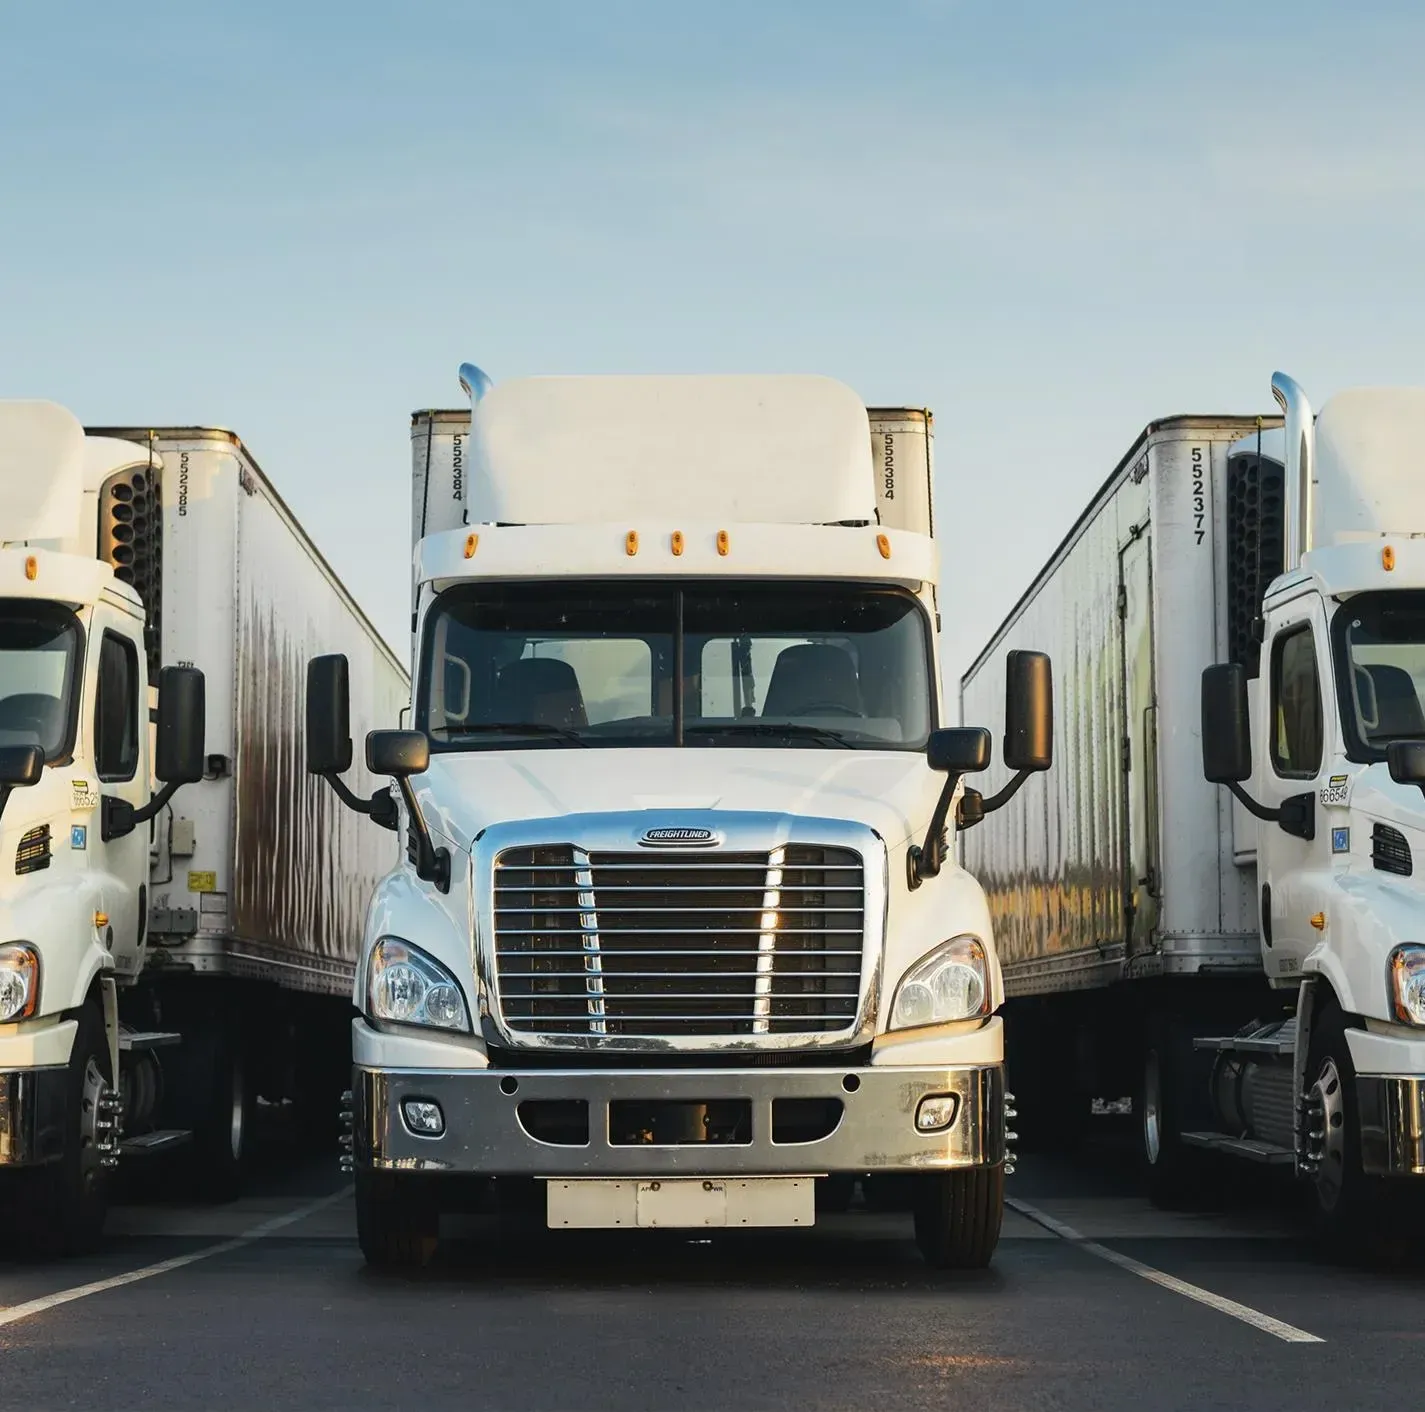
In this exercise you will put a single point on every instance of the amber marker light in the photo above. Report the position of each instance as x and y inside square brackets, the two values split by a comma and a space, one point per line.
[724, 542]
[630, 543]
[472, 543]
[884, 545]
[32, 568]
[1387, 557]
[677, 543]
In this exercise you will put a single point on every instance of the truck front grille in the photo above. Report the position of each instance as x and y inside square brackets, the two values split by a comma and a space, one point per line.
[662, 944]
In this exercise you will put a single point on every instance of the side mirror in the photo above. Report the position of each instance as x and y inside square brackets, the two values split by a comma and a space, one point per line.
[21, 765]
[182, 709]
[328, 715]
[1226, 728]
[1028, 712]
[399, 754]
[960, 750]
[1406, 759]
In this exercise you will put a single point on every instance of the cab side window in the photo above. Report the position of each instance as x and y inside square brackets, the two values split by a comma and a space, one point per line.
[116, 710]
[1296, 705]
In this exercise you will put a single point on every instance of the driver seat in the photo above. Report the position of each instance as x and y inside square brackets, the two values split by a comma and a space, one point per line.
[813, 674]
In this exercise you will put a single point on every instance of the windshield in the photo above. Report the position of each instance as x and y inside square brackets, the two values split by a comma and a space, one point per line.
[832, 666]
[1380, 644]
[39, 647]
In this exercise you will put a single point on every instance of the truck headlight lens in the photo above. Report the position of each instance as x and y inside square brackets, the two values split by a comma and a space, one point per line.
[19, 981]
[407, 987]
[952, 983]
[1407, 980]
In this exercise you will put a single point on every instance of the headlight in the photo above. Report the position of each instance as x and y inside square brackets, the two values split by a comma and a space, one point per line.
[952, 983]
[19, 981]
[408, 987]
[1407, 979]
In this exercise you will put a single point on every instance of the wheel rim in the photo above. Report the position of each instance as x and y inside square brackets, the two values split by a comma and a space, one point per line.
[1152, 1108]
[1327, 1140]
[91, 1110]
[237, 1118]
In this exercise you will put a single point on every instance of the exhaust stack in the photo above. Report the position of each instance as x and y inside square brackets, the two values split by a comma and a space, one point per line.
[1300, 438]
[474, 383]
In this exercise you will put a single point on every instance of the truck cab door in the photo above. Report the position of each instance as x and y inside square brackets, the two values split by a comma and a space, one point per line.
[1293, 759]
[119, 737]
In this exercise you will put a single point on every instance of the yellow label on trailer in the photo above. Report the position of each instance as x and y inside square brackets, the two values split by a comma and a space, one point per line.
[202, 882]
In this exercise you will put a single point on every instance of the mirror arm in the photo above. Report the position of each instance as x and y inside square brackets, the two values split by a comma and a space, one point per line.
[926, 860]
[432, 863]
[998, 801]
[380, 808]
[118, 818]
[1257, 811]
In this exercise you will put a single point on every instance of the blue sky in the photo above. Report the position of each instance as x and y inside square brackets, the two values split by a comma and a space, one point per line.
[1049, 222]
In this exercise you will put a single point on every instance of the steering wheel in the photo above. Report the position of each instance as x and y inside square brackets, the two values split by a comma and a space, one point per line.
[828, 708]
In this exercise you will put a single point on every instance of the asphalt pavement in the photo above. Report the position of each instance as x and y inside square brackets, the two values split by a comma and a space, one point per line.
[1094, 1300]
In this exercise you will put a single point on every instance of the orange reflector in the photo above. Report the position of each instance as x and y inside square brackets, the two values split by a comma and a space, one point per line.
[1387, 558]
[101, 919]
[677, 542]
[884, 545]
[472, 543]
[630, 543]
[1319, 921]
[32, 568]
[723, 542]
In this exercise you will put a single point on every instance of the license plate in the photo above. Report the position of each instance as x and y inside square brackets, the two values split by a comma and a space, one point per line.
[680, 1203]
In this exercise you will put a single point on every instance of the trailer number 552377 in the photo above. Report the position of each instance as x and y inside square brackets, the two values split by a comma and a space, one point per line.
[1199, 496]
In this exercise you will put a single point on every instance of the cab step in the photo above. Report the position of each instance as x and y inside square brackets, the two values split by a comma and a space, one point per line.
[135, 1040]
[147, 1144]
[1267, 1153]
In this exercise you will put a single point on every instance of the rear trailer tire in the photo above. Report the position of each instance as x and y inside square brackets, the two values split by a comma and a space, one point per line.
[1177, 1176]
[958, 1217]
[64, 1204]
[397, 1225]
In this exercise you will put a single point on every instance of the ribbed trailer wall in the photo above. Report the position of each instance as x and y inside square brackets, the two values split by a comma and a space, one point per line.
[258, 870]
[1118, 861]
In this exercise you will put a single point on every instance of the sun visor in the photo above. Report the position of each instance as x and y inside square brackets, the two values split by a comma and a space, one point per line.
[762, 450]
[42, 466]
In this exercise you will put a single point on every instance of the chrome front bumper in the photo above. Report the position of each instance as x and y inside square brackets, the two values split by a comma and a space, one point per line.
[1392, 1124]
[485, 1135]
[32, 1103]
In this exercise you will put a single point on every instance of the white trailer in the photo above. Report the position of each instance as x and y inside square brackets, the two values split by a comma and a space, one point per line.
[678, 938]
[1246, 966]
[172, 968]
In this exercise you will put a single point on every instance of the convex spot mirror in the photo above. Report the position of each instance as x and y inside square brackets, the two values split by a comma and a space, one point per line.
[397, 753]
[1406, 759]
[21, 765]
[960, 750]
[182, 708]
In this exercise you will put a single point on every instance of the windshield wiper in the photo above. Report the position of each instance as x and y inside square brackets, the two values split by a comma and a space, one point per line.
[509, 728]
[791, 728]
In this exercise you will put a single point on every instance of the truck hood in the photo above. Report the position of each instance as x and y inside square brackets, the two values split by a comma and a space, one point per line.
[892, 791]
[1378, 797]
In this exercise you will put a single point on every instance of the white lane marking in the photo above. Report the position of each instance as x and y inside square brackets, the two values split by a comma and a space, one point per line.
[1289, 1333]
[16, 1312]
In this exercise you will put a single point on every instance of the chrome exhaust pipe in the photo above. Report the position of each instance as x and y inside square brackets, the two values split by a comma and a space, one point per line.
[1299, 433]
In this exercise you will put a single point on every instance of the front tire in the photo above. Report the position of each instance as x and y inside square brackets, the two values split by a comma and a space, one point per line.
[958, 1217]
[397, 1225]
[64, 1204]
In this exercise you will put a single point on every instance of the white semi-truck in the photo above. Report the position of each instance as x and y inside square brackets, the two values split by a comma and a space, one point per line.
[1242, 604]
[164, 961]
[678, 937]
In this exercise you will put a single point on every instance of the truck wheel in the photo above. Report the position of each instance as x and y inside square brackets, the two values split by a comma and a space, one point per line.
[65, 1203]
[222, 1129]
[397, 1225]
[1175, 1173]
[957, 1217]
[1345, 1201]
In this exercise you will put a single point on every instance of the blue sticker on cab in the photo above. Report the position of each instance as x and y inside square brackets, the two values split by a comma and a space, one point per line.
[1340, 840]
[78, 836]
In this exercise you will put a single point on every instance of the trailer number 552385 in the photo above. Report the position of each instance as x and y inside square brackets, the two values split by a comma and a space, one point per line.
[1199, 496]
